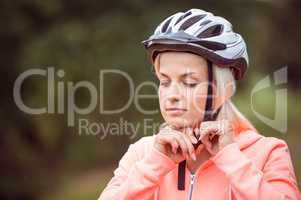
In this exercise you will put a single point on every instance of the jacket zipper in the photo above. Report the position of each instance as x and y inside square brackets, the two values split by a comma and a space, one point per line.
[191, 186]
[192, 180]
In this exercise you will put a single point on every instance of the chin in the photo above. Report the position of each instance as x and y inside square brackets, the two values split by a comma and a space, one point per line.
[178, 122]
[181, 121]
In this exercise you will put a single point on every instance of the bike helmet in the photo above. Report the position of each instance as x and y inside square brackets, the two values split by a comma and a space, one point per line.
[202, 33]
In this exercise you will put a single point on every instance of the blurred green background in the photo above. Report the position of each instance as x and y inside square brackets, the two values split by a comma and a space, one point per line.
[43, 158]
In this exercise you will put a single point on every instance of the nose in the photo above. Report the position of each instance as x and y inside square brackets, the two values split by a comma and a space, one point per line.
[173, 93]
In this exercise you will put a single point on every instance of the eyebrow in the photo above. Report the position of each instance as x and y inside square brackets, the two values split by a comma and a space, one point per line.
[182, 76]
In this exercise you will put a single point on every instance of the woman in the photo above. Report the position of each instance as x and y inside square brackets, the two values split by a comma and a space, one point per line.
[207, 149]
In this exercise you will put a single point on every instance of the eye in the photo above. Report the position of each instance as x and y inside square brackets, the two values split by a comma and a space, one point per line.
[191, 85]
[165, 83]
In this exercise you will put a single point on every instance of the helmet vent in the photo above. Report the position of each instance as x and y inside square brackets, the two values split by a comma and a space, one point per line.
[187, 14]
[211, 31]
[166, 25]
[189, 22]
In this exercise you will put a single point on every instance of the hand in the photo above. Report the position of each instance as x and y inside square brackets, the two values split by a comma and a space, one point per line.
[175, 144]
[215, 135]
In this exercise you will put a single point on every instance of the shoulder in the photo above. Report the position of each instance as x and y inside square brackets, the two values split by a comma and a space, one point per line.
[253, 139]
[273, 143]
[269, 149]
[276, 148]
[145, 141]
[142, 146]
[261, 148]
[136, 151]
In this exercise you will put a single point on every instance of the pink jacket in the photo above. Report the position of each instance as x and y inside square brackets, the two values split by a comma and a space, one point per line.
[255, 167]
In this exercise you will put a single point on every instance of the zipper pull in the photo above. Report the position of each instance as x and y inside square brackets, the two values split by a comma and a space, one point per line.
[192, 179]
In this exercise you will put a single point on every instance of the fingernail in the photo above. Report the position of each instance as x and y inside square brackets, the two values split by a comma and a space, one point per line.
[193, 156]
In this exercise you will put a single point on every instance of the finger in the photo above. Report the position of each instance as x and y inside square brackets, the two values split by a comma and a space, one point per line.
[222, 125]
[183, 141]
[207, 144]
[174, 145]
[161, 138]
[208, 124]
[204, 127]
[182, 144]
[168, 138]
[211, 132]
[191, 135]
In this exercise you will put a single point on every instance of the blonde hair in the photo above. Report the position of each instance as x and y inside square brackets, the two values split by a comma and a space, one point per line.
[224, 79]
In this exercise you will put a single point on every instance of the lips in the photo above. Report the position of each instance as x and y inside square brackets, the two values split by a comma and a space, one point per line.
[171, 109]
[175, 111]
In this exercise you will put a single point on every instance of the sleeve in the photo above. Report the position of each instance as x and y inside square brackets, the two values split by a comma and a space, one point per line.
[276, 181]
[137, 179]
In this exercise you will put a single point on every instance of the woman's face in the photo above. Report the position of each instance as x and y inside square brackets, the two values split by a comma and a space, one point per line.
[183, 88]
